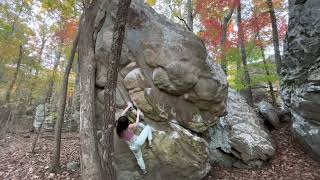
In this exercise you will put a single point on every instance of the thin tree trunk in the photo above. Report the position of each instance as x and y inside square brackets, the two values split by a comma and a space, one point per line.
[225, 25]
[15, 75]
[55, 163]
[36, 73]
[54, 71]
[8, 94]
[90, 159]
[35, 140]
[267, 70]
[39, 59]
[8, 121]
[244, 57]
[46, 98]
[76, 98]
[13, 26]
[110, 89]
[190, 14]
[185, 22]
[238, 62]
[275, 36]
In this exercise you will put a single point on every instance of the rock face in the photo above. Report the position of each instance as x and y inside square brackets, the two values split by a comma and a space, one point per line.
[269, 113]
[165, 72]
[44, 116]
[164, 69]
[300, 73]
[239, 138]
[48, 115]
[73, 166]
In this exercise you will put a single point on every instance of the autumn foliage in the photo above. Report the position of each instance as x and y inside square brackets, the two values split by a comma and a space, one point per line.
[212, 13]
[68, 32]
[255, 18]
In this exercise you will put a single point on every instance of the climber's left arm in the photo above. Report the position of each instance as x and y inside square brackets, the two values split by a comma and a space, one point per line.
[126, 109]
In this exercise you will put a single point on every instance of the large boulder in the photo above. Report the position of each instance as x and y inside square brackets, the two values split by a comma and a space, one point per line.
[239, 139]
[300, 72]
[163, 68]
[164, 71]
[269, 113]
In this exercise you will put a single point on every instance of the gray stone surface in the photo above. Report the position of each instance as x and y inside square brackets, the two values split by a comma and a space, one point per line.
[50, 115]
[73, 166]
[269, 113]
[43, 115]
[165, 68]
[300, 72]
[176, 154]
[239, 139]
[164, 71]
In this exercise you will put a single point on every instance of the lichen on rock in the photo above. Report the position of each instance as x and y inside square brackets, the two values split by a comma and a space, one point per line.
[239, 138]
[300, 73]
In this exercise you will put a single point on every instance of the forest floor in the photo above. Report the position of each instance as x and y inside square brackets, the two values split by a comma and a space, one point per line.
[17, 161]
[289, 162]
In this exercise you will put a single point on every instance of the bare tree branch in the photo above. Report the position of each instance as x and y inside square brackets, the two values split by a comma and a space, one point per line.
[181, 19]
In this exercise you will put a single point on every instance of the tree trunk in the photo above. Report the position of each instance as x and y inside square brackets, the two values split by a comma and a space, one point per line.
[13, 26]
[185, 22]
[36, 73]
[225, 25]
[6, 124]
[76, 98]
[244, 57]
[46, 97]
[90, 159]
[267, 70]
[54, 71]
[189, 9]
[110, 89]
[15, 75]
[275, 36]
[55, 164]
[35, 140]
[43, 43]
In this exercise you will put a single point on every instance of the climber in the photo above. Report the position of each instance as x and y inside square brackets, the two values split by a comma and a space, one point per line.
[125, 131]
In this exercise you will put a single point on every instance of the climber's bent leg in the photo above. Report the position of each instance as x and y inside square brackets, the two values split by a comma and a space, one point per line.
[145, 134]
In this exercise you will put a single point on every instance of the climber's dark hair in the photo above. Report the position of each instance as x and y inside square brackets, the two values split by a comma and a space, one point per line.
[122, 124]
